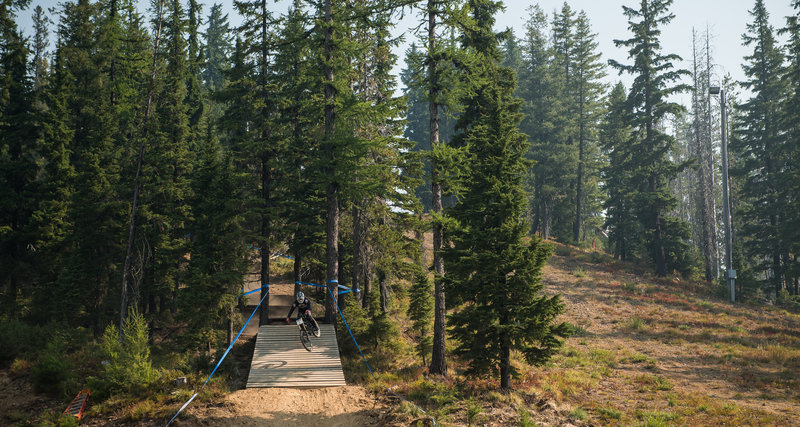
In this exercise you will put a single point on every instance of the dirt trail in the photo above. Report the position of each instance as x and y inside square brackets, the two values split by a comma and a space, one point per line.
[284, 407]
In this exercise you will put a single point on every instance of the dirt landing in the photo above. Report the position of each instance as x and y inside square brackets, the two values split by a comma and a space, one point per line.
[285, 407]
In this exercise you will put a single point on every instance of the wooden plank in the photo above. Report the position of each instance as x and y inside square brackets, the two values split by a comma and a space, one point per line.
[279, 359]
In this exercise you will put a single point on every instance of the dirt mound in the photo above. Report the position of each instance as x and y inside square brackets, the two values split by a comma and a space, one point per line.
[279, 407]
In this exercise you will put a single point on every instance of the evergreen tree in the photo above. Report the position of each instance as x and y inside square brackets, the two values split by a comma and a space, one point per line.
[18, 168]
[420, 311]
[58, 179]
[96, 213]
[219, 257]
[218, 47]
[492, 275]
[258, 43]
[303, 204]
[624, 230]
[654, 81]
[166, 174]
[551, 151]
[439, 59]
[791, 125]
[194, 88]
[40, 42]
[759, 142]
[588, 71]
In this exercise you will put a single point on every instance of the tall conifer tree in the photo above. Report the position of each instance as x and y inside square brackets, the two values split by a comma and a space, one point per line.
[489, 266]
[654, 81]
[759, 142]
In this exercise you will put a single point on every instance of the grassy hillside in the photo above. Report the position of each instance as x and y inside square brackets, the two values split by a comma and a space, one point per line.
[646, 351]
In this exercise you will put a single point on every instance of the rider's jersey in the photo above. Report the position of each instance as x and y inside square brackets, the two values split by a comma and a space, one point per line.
[301, 307]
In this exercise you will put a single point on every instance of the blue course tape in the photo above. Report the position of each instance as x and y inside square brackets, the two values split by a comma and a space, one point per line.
[254, 291]
[282, 255]
[367, 363]
[317, 285]
[221, 359]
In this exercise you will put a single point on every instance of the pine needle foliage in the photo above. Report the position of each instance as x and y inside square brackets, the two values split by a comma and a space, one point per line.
[493, 276]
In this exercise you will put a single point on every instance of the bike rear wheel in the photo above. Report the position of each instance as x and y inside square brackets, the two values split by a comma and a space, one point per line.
[305, 339]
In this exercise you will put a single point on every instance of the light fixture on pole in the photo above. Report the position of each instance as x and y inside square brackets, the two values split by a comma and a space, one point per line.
[730, 273]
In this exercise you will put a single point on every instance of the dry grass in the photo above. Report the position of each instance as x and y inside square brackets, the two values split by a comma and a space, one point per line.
[655, 351]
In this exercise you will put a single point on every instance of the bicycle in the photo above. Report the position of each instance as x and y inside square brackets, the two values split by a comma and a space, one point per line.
[307, 328]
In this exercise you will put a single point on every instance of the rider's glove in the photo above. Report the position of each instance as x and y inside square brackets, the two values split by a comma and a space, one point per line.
[308, 312]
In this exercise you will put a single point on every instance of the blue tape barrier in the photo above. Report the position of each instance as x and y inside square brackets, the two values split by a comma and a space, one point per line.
[282, 255]
[221, 359]
[254, 291]
[317, 285]
[367, 363]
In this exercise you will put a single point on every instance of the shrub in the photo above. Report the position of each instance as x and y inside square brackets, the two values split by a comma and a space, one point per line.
[19, 339]
[55, 419]
[474, 410]
[578, 414]
[636, 324]
[128, 367]
[609, 413]
[52, 371]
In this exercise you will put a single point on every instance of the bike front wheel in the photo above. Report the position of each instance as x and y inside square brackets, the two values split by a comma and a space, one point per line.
[305, 339]
[312, 323]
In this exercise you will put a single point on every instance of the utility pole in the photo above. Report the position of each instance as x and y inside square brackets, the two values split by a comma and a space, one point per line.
[730, 273]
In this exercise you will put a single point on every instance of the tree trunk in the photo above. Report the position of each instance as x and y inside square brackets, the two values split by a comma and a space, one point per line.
[578, 223]
[658, 246]
[703, 203]
[136, 187]
[384, 291]
[231, 318]
[505, 357]
[359, 252]
[332, 190]
[438, 361]
[297, 273]
[340, 296]
[265, 245]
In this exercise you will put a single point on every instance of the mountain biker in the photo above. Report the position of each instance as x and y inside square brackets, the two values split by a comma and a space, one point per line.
[303, 306]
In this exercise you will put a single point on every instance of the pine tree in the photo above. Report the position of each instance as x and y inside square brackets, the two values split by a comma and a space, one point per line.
[588, 72]
[624, 230]
[654, 81]
[194, 89]
[759, 143]
[439, 58]
[259, 32]
[492, 275]
[40, 42]
[58, 180]
[219, 257]
[217, 48]
[303, 204]
[542, 86]
[18, 169]
[96, 213]
[791, 125]
[420, 311]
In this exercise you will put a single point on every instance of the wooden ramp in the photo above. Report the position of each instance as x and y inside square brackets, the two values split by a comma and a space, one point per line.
[279, 360]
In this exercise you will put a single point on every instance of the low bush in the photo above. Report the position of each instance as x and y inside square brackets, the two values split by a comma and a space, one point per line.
[127, 367]
[52, 372]
[19, 339]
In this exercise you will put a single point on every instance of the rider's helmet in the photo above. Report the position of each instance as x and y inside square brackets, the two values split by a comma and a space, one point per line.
[300, 297]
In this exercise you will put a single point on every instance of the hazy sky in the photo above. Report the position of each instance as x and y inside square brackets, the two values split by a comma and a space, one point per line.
[726, 20]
